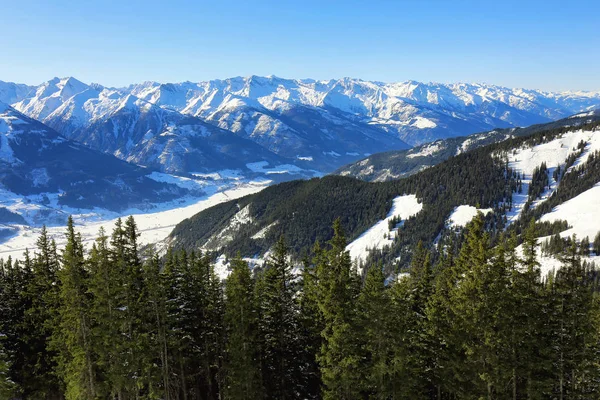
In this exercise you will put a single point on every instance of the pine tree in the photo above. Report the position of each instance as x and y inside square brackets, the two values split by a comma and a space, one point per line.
[200, 321]
[421, 288]
[339, 358]
[278, 324]
[532, 330]
[585, 247]
[73, 337]
[440, 324]
[576, 334]
[176, 278]
[138, 319]
[472, 301]
[41, 296]
[597, 244]
[311, 325]
[103, 287]
[8, 388]
[212, 332]
[241, 324]
[156, 372]
[373, 307]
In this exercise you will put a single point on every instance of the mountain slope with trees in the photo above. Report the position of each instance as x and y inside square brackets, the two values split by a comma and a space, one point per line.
[398, 164]
[304, 210]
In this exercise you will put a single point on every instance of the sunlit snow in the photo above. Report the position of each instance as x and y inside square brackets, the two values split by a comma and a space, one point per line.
[463, 214]
[380, 235]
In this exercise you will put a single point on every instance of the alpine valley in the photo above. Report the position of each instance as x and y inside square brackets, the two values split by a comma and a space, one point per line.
[298, 239]
[165, 152]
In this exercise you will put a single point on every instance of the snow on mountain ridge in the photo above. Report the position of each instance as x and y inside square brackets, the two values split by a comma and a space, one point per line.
[294, 116]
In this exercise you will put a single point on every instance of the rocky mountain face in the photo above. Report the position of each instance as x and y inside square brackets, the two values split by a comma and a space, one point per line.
[412, 111]
[152, 132]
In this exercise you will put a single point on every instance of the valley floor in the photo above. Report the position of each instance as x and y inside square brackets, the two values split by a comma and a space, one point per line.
[154, 227]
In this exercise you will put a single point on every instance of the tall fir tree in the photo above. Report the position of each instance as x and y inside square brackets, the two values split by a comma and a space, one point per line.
[278, 327]
[311, 325]
[103, 289]
[373, 307]
[339, 357]
[576, 336]
[242, 365]
[73, 337]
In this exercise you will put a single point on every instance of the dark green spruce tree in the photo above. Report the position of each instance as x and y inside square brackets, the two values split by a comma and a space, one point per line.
[339, 357]
[280, 342]
[73, 337]
[242, 364]
[373, 307]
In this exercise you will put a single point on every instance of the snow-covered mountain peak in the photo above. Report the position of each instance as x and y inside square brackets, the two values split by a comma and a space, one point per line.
[291, 117]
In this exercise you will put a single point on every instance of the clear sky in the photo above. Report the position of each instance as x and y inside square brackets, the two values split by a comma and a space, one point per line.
[552, 45]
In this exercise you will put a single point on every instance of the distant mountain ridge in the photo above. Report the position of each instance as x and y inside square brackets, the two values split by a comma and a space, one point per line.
[398, 164]
[119, 122]
[315, 125]
[413, 111]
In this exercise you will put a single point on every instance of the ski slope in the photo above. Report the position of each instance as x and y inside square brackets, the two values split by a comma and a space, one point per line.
[463, 214]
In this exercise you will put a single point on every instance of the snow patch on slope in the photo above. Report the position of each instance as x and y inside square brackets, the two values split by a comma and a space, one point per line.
[424, 123]
[582, 212]
[263, 232]
[463, 214]
[227, 234]
[428, 150]
[379, 235]
[554, 154]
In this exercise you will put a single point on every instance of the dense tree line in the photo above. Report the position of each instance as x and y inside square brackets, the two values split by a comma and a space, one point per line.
[480, 322]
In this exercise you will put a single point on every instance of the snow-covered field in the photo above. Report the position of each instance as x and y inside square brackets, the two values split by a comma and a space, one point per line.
[262, 167]
[380, 235]
[154, 226]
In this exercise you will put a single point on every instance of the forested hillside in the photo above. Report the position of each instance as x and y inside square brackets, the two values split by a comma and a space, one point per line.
[481, 322]
[393, 165]
[304, 210]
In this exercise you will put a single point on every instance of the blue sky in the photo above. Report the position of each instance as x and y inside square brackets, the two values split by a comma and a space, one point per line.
[535, 44]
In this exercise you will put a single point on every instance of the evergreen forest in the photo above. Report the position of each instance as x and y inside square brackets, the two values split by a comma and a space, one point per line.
[472, 319]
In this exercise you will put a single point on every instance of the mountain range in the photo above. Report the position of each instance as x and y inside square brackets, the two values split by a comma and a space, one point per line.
[69, 147]
[315, 125]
